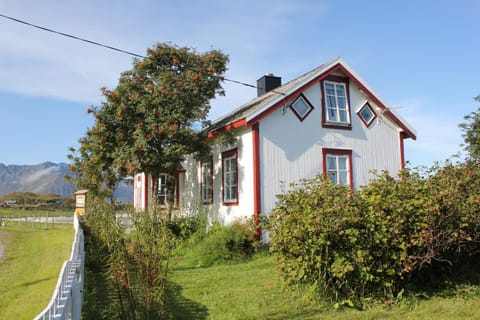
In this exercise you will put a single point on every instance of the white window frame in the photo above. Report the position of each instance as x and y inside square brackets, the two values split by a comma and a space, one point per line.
[230, 177]
[163, 189]
[207, 181]
[336, 172]
[337, 108]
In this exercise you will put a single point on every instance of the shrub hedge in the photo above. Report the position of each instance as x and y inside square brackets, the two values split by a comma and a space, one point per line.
[370, 243]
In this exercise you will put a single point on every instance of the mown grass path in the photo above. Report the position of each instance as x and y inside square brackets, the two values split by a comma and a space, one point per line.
[253, 290]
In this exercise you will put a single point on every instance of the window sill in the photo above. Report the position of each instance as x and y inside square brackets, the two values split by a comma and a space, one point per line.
[337, 125]
[229, 204]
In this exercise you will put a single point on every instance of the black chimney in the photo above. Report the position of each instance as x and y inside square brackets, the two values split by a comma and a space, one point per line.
[267, 83]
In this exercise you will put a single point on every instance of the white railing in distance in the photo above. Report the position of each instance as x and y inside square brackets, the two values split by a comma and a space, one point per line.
[66, 302]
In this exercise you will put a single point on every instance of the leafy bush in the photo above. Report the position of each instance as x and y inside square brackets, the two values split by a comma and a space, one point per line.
[188, 227]
[372, 242]
[235, 242]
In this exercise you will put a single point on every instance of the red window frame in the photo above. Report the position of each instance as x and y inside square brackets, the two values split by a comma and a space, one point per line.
[367, 105]
[228, 155]
[338, 152]
[307, 102]
[330, 124]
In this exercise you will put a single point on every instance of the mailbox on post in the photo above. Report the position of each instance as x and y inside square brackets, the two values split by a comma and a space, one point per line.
[80, 202]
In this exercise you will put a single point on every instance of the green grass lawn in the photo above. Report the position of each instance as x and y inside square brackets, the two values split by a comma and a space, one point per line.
[30, 267]
[253, 290]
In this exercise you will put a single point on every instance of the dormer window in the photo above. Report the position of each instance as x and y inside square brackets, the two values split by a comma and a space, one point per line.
[335, 103]
[366, 114]
[301, 107]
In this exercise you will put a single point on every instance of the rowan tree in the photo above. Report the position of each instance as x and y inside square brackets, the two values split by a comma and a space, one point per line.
[91, 163]
[150, 121]
[471, 134]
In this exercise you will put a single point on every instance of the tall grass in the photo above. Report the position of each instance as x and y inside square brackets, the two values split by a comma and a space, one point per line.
[30, 267]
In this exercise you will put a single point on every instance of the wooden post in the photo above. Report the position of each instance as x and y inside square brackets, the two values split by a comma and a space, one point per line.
[80, 202]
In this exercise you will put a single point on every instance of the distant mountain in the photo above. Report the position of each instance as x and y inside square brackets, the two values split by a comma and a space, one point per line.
[45, 178]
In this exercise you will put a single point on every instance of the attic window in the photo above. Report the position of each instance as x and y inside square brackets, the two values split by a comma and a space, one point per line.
[301, 107]
[336, 103]
[366, 114]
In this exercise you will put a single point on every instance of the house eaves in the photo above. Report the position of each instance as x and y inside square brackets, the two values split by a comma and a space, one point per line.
[258, 108]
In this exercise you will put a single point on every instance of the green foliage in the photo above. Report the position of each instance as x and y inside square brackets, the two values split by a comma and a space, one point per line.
[147, 122]
[374, 241]
[137, 260]
[471, 133]
[232, 243]
[189, 228]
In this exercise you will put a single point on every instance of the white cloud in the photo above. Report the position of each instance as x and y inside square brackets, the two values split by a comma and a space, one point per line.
[36, 62]
[38, 175]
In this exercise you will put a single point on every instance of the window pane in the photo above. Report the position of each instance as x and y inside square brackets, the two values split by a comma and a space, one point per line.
[229, 179]
[342, 163]
[226, 164]
[366, 113]
[331, 163]
[343, 116]
[332, 114]
[331, 102]
[333, 177]
[330, 89]
[343, 178]
[340, 91]
[342, 103]
[301, 107]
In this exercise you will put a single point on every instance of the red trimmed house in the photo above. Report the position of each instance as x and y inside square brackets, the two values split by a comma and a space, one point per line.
[328, 121]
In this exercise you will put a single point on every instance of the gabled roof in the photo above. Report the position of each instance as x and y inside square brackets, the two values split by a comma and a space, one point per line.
[258, 108]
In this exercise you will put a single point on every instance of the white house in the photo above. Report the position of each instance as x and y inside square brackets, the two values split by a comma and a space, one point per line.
[328, 121]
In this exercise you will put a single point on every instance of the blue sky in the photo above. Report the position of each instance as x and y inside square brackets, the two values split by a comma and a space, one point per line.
[420, 56]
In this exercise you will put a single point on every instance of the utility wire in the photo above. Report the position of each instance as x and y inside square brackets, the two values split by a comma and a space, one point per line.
[72, 36]
[112, 48]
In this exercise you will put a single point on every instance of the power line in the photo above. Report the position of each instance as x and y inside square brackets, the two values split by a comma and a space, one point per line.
[72, 36]
[111, 47]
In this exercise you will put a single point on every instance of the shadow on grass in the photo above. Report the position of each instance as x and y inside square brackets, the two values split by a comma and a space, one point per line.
[27, 284]
[181, 308]
[101, 299]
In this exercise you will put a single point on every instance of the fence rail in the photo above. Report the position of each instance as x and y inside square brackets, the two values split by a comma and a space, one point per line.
[34, 221]
[66, 302]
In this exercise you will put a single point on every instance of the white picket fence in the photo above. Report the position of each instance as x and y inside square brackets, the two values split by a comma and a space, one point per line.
[66, 302]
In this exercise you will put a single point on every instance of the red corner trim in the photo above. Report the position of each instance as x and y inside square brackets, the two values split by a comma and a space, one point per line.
[402, 150]
[257, 197]
[145, 177]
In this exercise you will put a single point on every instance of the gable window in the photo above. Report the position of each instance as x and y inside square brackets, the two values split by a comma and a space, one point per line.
[301, 107]
[230, 177]
[335, 103]
[366, 114]
[337, 166]
[207, 181]
[166, 189]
